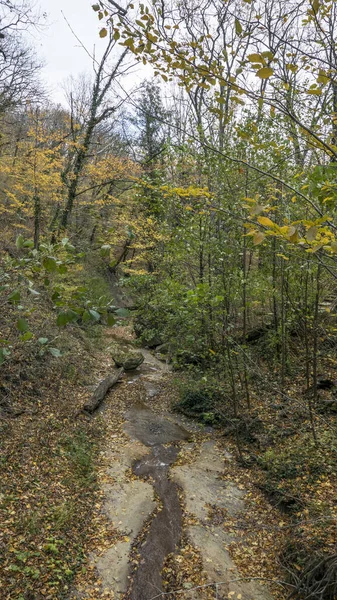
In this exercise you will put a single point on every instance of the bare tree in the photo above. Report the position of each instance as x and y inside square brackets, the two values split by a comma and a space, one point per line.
[19, 67]
[100, 108]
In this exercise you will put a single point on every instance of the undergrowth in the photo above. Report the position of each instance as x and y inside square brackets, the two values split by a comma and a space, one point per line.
[48, 461]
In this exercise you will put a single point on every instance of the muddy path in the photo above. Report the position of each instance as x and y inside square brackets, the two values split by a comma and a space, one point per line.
[165, 531]
[161, 475]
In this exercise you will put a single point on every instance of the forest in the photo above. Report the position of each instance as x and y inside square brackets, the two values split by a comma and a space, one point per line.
[191, 218]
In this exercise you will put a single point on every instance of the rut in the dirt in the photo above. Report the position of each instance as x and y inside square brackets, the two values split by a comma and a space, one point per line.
[165, 530]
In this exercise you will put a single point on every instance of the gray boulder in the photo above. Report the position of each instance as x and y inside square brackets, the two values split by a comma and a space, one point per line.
[128, 360]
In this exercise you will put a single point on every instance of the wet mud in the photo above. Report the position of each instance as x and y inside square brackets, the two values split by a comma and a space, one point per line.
[166, 527]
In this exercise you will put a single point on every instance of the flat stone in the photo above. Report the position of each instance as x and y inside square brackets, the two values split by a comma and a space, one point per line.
[113, 567]
[128, 505]
[203, 486]
[220, 567]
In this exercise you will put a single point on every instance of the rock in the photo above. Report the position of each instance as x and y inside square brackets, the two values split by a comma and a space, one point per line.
[154, 341]
[128, 360]
[163, 348]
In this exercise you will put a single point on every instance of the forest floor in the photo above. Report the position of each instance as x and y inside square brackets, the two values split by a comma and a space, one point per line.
[162, 475]
[138, 502]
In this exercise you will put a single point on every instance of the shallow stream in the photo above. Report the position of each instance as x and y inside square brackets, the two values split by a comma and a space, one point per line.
[164, 534]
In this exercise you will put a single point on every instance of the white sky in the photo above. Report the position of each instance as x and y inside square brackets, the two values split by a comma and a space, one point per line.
[58, 48]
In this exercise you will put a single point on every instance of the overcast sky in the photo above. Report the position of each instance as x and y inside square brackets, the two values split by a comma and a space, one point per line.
[58, 48]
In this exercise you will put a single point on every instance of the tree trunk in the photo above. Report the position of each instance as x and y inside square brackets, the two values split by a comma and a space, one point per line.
[101, 391]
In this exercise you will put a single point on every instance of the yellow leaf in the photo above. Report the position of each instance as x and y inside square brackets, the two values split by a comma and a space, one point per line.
[257, 209]
[238, 26]
[318, 247]
[314, 92]
[311, 233]
[258, 238]
[256, 58]
[268, 54]
[265, 72]
[265, 221]
[322, 77]
[283, 256]
[294, 237]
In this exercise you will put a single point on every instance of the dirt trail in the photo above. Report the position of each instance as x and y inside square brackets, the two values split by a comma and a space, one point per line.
[151, 491]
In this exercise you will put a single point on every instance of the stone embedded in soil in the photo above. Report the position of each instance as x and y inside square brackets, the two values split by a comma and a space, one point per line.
[128, 504]
[203, 486]
[220, 567]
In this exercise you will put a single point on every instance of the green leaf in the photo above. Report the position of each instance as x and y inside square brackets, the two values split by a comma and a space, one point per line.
[50, 264]
[26, 336]
[22, 325]
[14, 568]
[28, 244]
[105, 250]
[43, 341]
[238, 26]
[4, 353]
[55, 352]
[66, 317]
[96, 7]
[14, 297]
[62, 319]
[95, 315]
[103, 33]
[63, 269]
[111, 319]
[122, 312]
[55, 296]
[86, 317]
[20, 242]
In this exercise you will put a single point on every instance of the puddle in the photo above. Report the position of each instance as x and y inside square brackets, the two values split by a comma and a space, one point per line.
[165, 530]
[151, 429]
